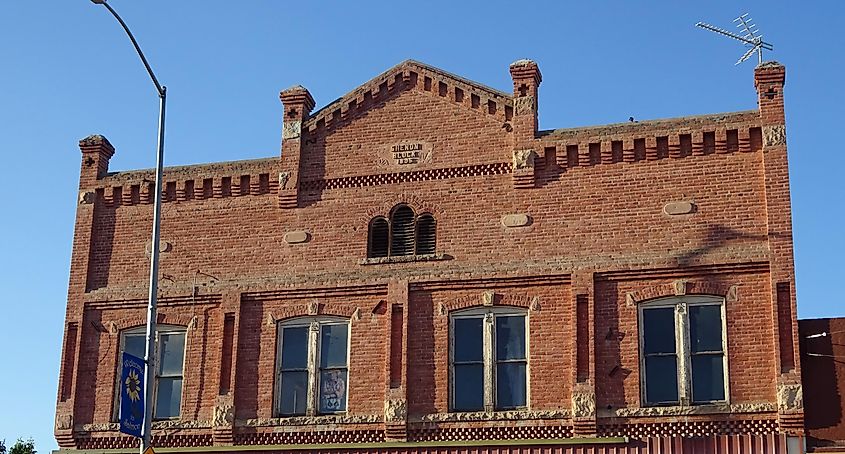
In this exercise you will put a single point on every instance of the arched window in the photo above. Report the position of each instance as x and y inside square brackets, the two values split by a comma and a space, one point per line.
[402, 231]
[426, 234]
[379, 239]
[403, 234]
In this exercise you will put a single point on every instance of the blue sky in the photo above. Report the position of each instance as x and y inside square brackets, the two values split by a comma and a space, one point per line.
[68, 71]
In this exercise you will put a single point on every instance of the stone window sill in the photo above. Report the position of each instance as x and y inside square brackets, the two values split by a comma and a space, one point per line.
[405, 259]
[686, 410]
[319, 420]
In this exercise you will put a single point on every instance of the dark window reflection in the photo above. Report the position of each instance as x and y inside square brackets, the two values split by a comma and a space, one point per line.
[469, 387]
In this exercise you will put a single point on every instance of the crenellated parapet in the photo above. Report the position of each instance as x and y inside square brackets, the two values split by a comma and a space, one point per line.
[412, 75]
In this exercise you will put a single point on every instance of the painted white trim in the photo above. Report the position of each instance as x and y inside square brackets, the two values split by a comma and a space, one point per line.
[683, 353]
[142, 331]
[488, 330]
[314, 324]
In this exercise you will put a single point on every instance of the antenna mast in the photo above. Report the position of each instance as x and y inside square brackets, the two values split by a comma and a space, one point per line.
[749, 35]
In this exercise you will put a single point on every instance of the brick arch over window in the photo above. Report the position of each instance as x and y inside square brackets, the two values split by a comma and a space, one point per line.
[162, 318]
[684, 287]
[490, 298]
[402, 233]
[314, 310]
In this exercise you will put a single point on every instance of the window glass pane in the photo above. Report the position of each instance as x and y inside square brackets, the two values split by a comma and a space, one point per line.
[168, 398]
[659, 330]
[469, 387]
[172, 353]
[510, 385]
[705, 328]
[708, 379]
[468, 339]
[333, 345]
[332, 390]
[295, 347]
[294, 393]
[135, 344]
[661, 379]
[510, 337]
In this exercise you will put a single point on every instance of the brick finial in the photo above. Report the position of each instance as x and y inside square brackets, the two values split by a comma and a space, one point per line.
[96, 152]
[526, 76]
[297, 104]
[769, 79]
[526, 80]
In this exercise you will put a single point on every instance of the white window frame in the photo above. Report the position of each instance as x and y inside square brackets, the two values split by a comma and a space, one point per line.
[142, 331]
[314, 325]
[488, 330]
[683, 352]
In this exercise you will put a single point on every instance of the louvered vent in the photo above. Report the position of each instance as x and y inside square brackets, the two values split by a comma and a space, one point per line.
[379, 238]
[426, 234]
[402, 235]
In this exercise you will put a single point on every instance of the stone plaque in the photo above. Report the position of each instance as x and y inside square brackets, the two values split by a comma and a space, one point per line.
[407, 153]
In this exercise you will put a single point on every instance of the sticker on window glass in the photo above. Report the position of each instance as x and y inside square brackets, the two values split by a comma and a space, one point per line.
[332, 391]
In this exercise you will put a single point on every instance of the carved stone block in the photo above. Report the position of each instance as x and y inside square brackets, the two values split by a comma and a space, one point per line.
[583, 404]
[291, 129]
[733, 294]
[523, 159]
[313, 307]
[790, 397]
[774, 135]
[64, 421]
[224, 415]
[678, 208]
[680, 287]
[488, 297]
[535, 304]
[86, 197]
[515, 220]
[523, 105]
[283, 180]
[395, 410]
[296, 237]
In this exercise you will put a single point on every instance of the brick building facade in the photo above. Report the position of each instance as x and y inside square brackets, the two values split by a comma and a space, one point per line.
[423, 269]
[823, 357]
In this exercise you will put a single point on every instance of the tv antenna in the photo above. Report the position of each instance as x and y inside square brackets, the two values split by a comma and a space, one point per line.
[748, 34]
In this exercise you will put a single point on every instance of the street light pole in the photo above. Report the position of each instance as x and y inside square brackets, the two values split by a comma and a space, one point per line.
[150, 355]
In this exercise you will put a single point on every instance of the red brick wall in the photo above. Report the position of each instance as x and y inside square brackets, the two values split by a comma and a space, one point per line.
[595, 198]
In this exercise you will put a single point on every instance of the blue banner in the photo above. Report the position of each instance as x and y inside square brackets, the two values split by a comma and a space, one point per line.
[131, 395]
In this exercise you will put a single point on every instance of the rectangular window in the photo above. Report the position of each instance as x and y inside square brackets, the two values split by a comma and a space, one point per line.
[294, 371]
[170, 351]
[511, 362]
[489, 360]
[313, 369]
[682, 344]
[707, 355]
[661, 361]
[469, 364]
[333, 370]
